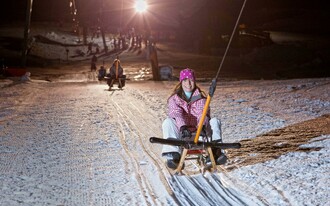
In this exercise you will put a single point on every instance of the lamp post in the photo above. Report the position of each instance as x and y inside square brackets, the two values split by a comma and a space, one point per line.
[101, 21]
[141, 7]
[26, 32]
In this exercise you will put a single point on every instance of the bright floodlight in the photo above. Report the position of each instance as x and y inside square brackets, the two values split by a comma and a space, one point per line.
[141, 6]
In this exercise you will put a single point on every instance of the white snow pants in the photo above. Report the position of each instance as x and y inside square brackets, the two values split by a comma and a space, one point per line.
[170, 130]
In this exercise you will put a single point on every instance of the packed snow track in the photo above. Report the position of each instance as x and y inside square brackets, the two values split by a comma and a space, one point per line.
[76, 143]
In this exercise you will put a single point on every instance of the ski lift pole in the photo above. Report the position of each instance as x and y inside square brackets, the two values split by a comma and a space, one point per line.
[214, 81]
[206, 107]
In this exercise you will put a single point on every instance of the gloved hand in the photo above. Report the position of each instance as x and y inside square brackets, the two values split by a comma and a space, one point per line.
[185, 132]
[203, 132]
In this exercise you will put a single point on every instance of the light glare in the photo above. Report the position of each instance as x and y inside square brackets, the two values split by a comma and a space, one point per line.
[141, 6]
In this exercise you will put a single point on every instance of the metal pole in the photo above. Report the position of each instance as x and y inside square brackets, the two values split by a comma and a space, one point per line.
[26, 32]
[214, 81]
[102, 26]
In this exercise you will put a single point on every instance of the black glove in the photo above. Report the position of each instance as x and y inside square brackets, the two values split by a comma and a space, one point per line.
[184, 132]
[203, 132]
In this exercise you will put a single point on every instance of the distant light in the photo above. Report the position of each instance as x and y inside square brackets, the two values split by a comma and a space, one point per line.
[140, 6]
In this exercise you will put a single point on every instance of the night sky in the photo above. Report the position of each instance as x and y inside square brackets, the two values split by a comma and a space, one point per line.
[310, 16]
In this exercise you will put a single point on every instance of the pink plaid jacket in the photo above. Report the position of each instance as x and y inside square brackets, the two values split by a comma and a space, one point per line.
[187, 113]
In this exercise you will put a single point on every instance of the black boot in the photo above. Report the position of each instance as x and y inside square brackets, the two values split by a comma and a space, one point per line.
[172, 164]
[219, 157]
[173, 159]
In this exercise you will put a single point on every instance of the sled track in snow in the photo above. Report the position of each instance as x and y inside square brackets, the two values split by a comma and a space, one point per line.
[133, 140]
[79, 144]
[143, 120]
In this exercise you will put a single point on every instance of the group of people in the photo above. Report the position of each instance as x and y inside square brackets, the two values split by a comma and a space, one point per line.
[185, 108]
[115, 74]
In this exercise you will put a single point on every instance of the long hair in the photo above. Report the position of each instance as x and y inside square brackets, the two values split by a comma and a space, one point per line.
[179, 91]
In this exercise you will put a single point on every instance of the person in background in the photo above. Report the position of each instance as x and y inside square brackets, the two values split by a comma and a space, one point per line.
[116, 73]
[89, 48]
[185, 108]
[93, 63]
[102, 73]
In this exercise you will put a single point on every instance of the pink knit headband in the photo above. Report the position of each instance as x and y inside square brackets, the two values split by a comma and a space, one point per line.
[187, 73]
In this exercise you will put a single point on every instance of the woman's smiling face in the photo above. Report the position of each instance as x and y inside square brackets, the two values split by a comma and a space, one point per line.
[188, 85]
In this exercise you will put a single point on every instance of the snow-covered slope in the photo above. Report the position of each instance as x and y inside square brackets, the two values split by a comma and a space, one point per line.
[67, 143]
